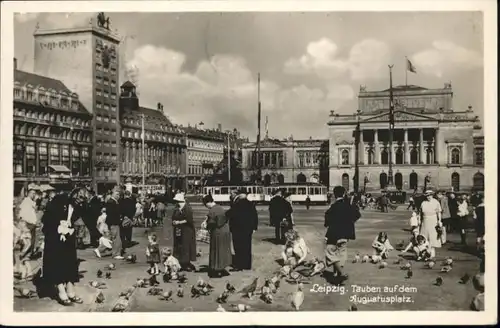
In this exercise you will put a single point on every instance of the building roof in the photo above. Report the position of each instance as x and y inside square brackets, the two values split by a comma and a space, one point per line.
[128, 84]
[205, 133]
[36, 81]
[409, 87]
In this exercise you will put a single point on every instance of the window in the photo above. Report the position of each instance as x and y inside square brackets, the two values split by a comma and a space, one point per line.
[54, 154]
[17, 93]
[43, 158]
[429, 156]
[30, 157]
[85, 156]
[75, 161]
[479, 156]
[18, 156]
[29, 95]
[345, 157]
[98, 92]
[371, 157]
[385, 156]
[413, 180]
[399, 156]
[65, 155]
[414, 156]
[478, 181]
[455, 181]
[455, 156]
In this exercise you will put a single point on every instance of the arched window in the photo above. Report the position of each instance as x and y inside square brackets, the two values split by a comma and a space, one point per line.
[478, 181]
[267, 180]
[413, 180]
[385, 156]
[345, 181]
[399, 156]
[383, 180]
[455, 156]
[429, 155]
[301, 178]
[455, 181]
[414, 156]
[281, 178]
[345, 157]
[398, 181]
[314, 178]
[371, 157]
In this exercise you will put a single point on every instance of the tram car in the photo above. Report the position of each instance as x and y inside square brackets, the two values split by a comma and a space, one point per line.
[221, 194]
[318, 194]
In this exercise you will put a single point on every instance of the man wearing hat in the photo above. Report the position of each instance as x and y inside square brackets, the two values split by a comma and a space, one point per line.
[280, 210]
[27, 213]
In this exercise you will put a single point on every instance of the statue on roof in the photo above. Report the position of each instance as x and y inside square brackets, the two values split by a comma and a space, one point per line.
[362, 88]
[447, 85]
[102, 20]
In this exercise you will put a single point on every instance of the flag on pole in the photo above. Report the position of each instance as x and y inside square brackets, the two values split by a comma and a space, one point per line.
[410, 67]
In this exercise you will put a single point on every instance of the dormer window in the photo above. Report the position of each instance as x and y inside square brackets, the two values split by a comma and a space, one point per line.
[30, 95]
[17, 93]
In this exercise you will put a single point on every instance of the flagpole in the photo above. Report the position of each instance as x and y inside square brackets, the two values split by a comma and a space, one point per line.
[406, 71]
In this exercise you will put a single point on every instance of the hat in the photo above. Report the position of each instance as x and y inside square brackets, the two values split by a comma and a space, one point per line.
[179, 197]
[428, 192]
[34, 187]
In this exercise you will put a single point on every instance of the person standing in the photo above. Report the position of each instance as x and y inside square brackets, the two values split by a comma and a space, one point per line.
[479, 222]
[60, 260]
[243, 222]
[308, 202]
[114, 221]
[220, 239]
[384, 203]
[184, 233]
[430, 218]
[453, 206]
[339, 221]
[463, 214]
[28, 214]
[280, 210]
[445, 214]
[94, 207]
[127, 212]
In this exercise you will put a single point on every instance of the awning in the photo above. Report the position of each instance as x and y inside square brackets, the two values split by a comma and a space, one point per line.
[60, 168]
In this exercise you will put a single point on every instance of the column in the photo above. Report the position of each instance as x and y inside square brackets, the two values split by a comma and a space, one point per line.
[437, 143]
[377, 148]
[134, 156]
[421, 147]
[407, 149]
[362, 148]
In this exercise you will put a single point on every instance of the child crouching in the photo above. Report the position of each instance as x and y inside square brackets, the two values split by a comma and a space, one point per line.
[420, 246]
[105, 244]
[382, 246]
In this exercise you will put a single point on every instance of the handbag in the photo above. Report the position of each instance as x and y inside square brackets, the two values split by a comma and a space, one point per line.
[127, 222]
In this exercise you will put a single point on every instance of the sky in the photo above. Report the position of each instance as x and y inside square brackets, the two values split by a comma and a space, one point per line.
[203, 67]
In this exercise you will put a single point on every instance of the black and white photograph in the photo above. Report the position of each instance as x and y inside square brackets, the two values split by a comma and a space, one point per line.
[244, 157]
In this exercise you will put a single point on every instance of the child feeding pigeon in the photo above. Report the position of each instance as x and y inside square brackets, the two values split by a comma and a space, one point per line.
[153, 254]
[295, 250]
[171, 262]
[382, 246]
[420, 246]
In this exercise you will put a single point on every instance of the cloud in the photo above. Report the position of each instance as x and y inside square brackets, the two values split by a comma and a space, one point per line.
[365, 61]
[25, 17]
[224, 90]
[445, 56]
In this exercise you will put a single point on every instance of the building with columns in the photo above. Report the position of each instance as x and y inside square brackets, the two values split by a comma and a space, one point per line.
[86, 59]
[52, 134]
[287, 161]
[432, 142]
[165, 148]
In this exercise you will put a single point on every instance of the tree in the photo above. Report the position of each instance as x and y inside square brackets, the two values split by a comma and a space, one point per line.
[221, 174]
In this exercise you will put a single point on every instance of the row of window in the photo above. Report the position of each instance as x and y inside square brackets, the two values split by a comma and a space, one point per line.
[105, 143]
[308, 158]
[32, 157]
[51, 99]
[105, 106]
[105, 119]
[203, 156]
[106, 131]
[268, 159]
[105, 172]
[199, 170]
[151, 136]
[51, 117]
[100, 68]
[158, 126]
[105, 81]
[157, 160]
[206, 145]
[105, 93]
[47, 132]
[150, 166]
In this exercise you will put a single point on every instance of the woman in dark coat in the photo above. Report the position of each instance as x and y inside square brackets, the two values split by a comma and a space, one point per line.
[60, 260]
[184, 233]
[220, 239]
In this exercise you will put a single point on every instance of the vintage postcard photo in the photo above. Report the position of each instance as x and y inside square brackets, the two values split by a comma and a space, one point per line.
[249, 157]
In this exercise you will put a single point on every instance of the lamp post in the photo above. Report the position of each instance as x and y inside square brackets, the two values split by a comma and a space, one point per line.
[390, 180]
[356, 151]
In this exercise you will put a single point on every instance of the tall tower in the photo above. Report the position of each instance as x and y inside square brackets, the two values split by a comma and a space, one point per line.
[86, 59]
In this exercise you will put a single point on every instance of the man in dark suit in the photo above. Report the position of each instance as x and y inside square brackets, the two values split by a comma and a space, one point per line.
[127, 211]
[339, 221]
[114, 220]
[280, 209]
[94, 206]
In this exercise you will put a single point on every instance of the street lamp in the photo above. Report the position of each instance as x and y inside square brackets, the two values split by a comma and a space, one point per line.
[356, 151]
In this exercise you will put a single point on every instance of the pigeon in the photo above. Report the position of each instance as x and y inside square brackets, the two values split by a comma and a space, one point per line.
[200, 282]
[446, 269]
[277, 285]
[25, 292]
[181, 277]
[174, 276]
[401, 244]
[365, 259]
[409, 274]
[167, 276]
[198, 253]
[357, 258]
[268, 298]
[266, 289]
[438, 282]
[406, 266]
[430, 264]
[398, 261]
[132, 258]
[241, 307]
[298, 298]
[100, 298]
[141, 283]
[166, 296]
[195, 292]
[465, 279]
[230, 288]
[99, 273]
[220, 308]
[153, 281]
[249, 290]
[295, 278]
[275, 278]
[111, 266]
[180, 291]
[448, 261]
[127, 293]
[353, 307]
[376, 258]
[205, 291]
[383, 265]
[155, 291]
[120, 306]
[97, 284]
[319, 267]
[285, 270]
[108, 275]
[222, 298]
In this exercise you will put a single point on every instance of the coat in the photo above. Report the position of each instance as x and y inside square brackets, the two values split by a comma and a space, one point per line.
[220, 239]
[445, 214]
[339, 221]
[184, 235]
[113, 214]
[60, 260]
[279, 209]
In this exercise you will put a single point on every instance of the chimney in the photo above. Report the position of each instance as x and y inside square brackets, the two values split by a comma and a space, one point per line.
[201, 124]
[219, 127]
[15, 64]
[160, 106]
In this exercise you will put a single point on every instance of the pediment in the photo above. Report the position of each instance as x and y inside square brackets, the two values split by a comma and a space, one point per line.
[400, 116]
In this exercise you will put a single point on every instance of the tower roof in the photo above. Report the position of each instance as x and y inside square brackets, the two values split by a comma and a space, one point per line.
[128, 84]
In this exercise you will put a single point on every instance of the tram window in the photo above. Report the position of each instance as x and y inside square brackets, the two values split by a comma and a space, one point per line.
[312, 191]
[292, 190]
[260, 190]
[216, 191]
[302, 190]
[224, 190]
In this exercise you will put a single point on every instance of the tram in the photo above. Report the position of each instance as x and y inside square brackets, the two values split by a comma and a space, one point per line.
[221, 194]
[318, 194]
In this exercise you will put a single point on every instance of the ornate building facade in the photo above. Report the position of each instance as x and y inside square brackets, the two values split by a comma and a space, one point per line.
[87, 59]
[287, 161]
[433, 143]
[165, 148]
[52, 135]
